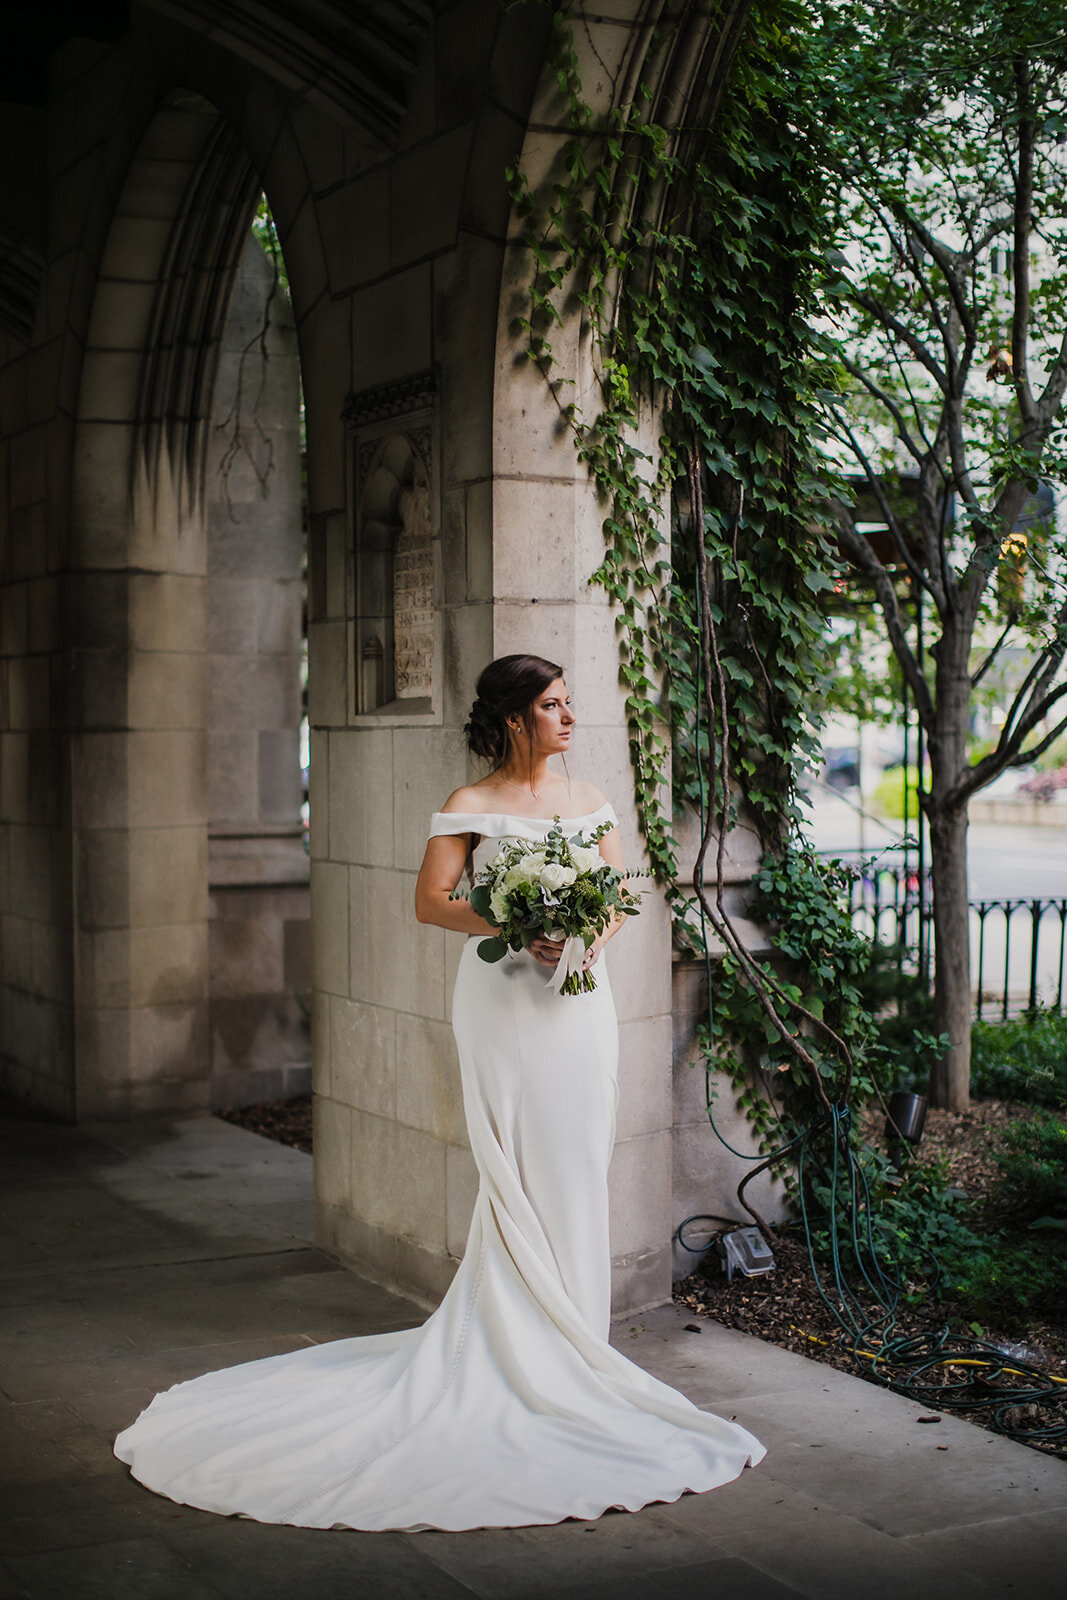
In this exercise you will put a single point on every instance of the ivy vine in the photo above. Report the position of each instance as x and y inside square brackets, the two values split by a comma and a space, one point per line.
[701, 316]
[697, 276]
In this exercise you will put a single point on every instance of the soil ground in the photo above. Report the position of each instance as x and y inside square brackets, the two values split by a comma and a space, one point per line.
[286, 1121]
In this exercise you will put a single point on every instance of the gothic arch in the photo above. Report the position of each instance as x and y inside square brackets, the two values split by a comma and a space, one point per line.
[143, 697]
[196, 272]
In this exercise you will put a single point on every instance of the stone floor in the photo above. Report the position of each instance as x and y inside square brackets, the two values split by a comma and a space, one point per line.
[131, 1257]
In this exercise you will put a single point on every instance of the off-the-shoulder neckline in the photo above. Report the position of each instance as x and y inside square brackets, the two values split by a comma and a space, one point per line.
[515, 816]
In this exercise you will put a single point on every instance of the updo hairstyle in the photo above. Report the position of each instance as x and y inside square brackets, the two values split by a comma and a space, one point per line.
[507, 686]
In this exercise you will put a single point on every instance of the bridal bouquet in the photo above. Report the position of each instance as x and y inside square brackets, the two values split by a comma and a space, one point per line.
[562, 888]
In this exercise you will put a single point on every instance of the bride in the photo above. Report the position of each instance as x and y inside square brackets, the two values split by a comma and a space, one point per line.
[508, 1406]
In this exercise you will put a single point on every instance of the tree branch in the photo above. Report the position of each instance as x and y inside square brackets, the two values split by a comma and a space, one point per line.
[935, 482]
[891, 222]
[1037, 713]
[989, 534]
[1053, 392]
[952, 427]
[1033, 700]
[1023, 222]
[1023, 693]
[874, 479]
[913, 400]
[1026, 756]
[863, 557]
[1009, 754]
[878, 393]
[893, 324]
[947, 260]
[976, 677]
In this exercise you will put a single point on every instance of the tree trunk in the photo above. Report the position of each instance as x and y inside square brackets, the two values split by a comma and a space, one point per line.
[950, 1075]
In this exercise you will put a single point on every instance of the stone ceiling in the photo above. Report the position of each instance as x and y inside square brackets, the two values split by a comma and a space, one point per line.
[353, 55]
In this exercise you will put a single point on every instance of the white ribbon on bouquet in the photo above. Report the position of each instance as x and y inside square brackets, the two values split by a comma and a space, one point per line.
[571, 958]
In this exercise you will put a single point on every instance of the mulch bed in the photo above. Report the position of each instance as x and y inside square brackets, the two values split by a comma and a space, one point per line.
[786, 1309]
[285, 1121]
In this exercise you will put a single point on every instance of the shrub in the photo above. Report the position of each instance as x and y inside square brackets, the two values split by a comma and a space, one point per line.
[1024, 1269]
[1035, 1167]
[1007, 1276]
[1025, 1059]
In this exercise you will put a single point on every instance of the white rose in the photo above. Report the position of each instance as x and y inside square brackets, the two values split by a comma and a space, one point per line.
[586, 858]
[530, 865]
[554, 877]
[498, 906]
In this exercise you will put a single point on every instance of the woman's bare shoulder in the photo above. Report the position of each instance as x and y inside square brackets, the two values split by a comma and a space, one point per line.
[471, 798]
[586, 797]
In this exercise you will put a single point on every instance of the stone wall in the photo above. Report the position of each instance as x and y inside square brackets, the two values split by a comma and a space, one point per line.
[36, 936]
[420, 279]
[130, 758]
[705, 1173]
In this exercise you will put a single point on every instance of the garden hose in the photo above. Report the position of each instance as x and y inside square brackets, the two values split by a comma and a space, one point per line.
[1033, 1412]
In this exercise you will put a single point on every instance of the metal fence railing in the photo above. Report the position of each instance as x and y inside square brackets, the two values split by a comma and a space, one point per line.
[1031, 936]
[1018, 943]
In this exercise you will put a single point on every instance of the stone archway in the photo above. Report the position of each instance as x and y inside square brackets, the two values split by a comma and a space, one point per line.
[383, 144]
[147, 689]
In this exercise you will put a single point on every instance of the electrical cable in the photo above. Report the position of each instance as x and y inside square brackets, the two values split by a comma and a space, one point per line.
[904, 1363]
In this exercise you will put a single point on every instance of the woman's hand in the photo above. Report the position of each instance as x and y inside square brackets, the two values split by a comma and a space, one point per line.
[547, 951]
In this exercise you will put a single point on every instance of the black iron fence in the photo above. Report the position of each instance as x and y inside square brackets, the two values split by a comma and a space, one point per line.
[1018, 944]
[1033, 935]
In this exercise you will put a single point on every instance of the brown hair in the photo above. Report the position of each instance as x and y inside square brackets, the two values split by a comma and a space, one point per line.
[508, 685]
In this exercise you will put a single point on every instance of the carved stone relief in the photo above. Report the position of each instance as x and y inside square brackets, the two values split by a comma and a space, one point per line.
[392, 621]
[413, 596]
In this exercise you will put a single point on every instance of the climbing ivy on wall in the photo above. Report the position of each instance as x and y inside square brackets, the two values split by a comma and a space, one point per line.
[700, 315]
[696, 266]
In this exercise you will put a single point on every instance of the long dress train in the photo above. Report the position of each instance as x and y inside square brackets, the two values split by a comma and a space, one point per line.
[507, 1407]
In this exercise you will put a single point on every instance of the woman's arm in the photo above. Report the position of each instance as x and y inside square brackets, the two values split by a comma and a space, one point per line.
[610, 847]
[442, 868]
[611, 850]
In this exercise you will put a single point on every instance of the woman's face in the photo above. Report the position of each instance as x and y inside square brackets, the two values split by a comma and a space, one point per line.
[551, 720]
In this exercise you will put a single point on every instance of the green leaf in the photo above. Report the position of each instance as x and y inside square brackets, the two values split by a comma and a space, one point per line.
[480, 900]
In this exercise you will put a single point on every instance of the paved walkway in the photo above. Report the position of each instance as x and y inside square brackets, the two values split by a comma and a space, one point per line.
[132, 1257]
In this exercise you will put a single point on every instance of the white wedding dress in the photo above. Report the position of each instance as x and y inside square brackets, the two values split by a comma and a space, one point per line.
[508, 1407]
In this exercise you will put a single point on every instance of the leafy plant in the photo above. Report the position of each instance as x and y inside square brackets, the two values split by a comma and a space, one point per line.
[918, 1221]
[697, 278]
[1007, 1276]
[1035, 1166]
[702, 268]
[1023, 1059]
[802, 900]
